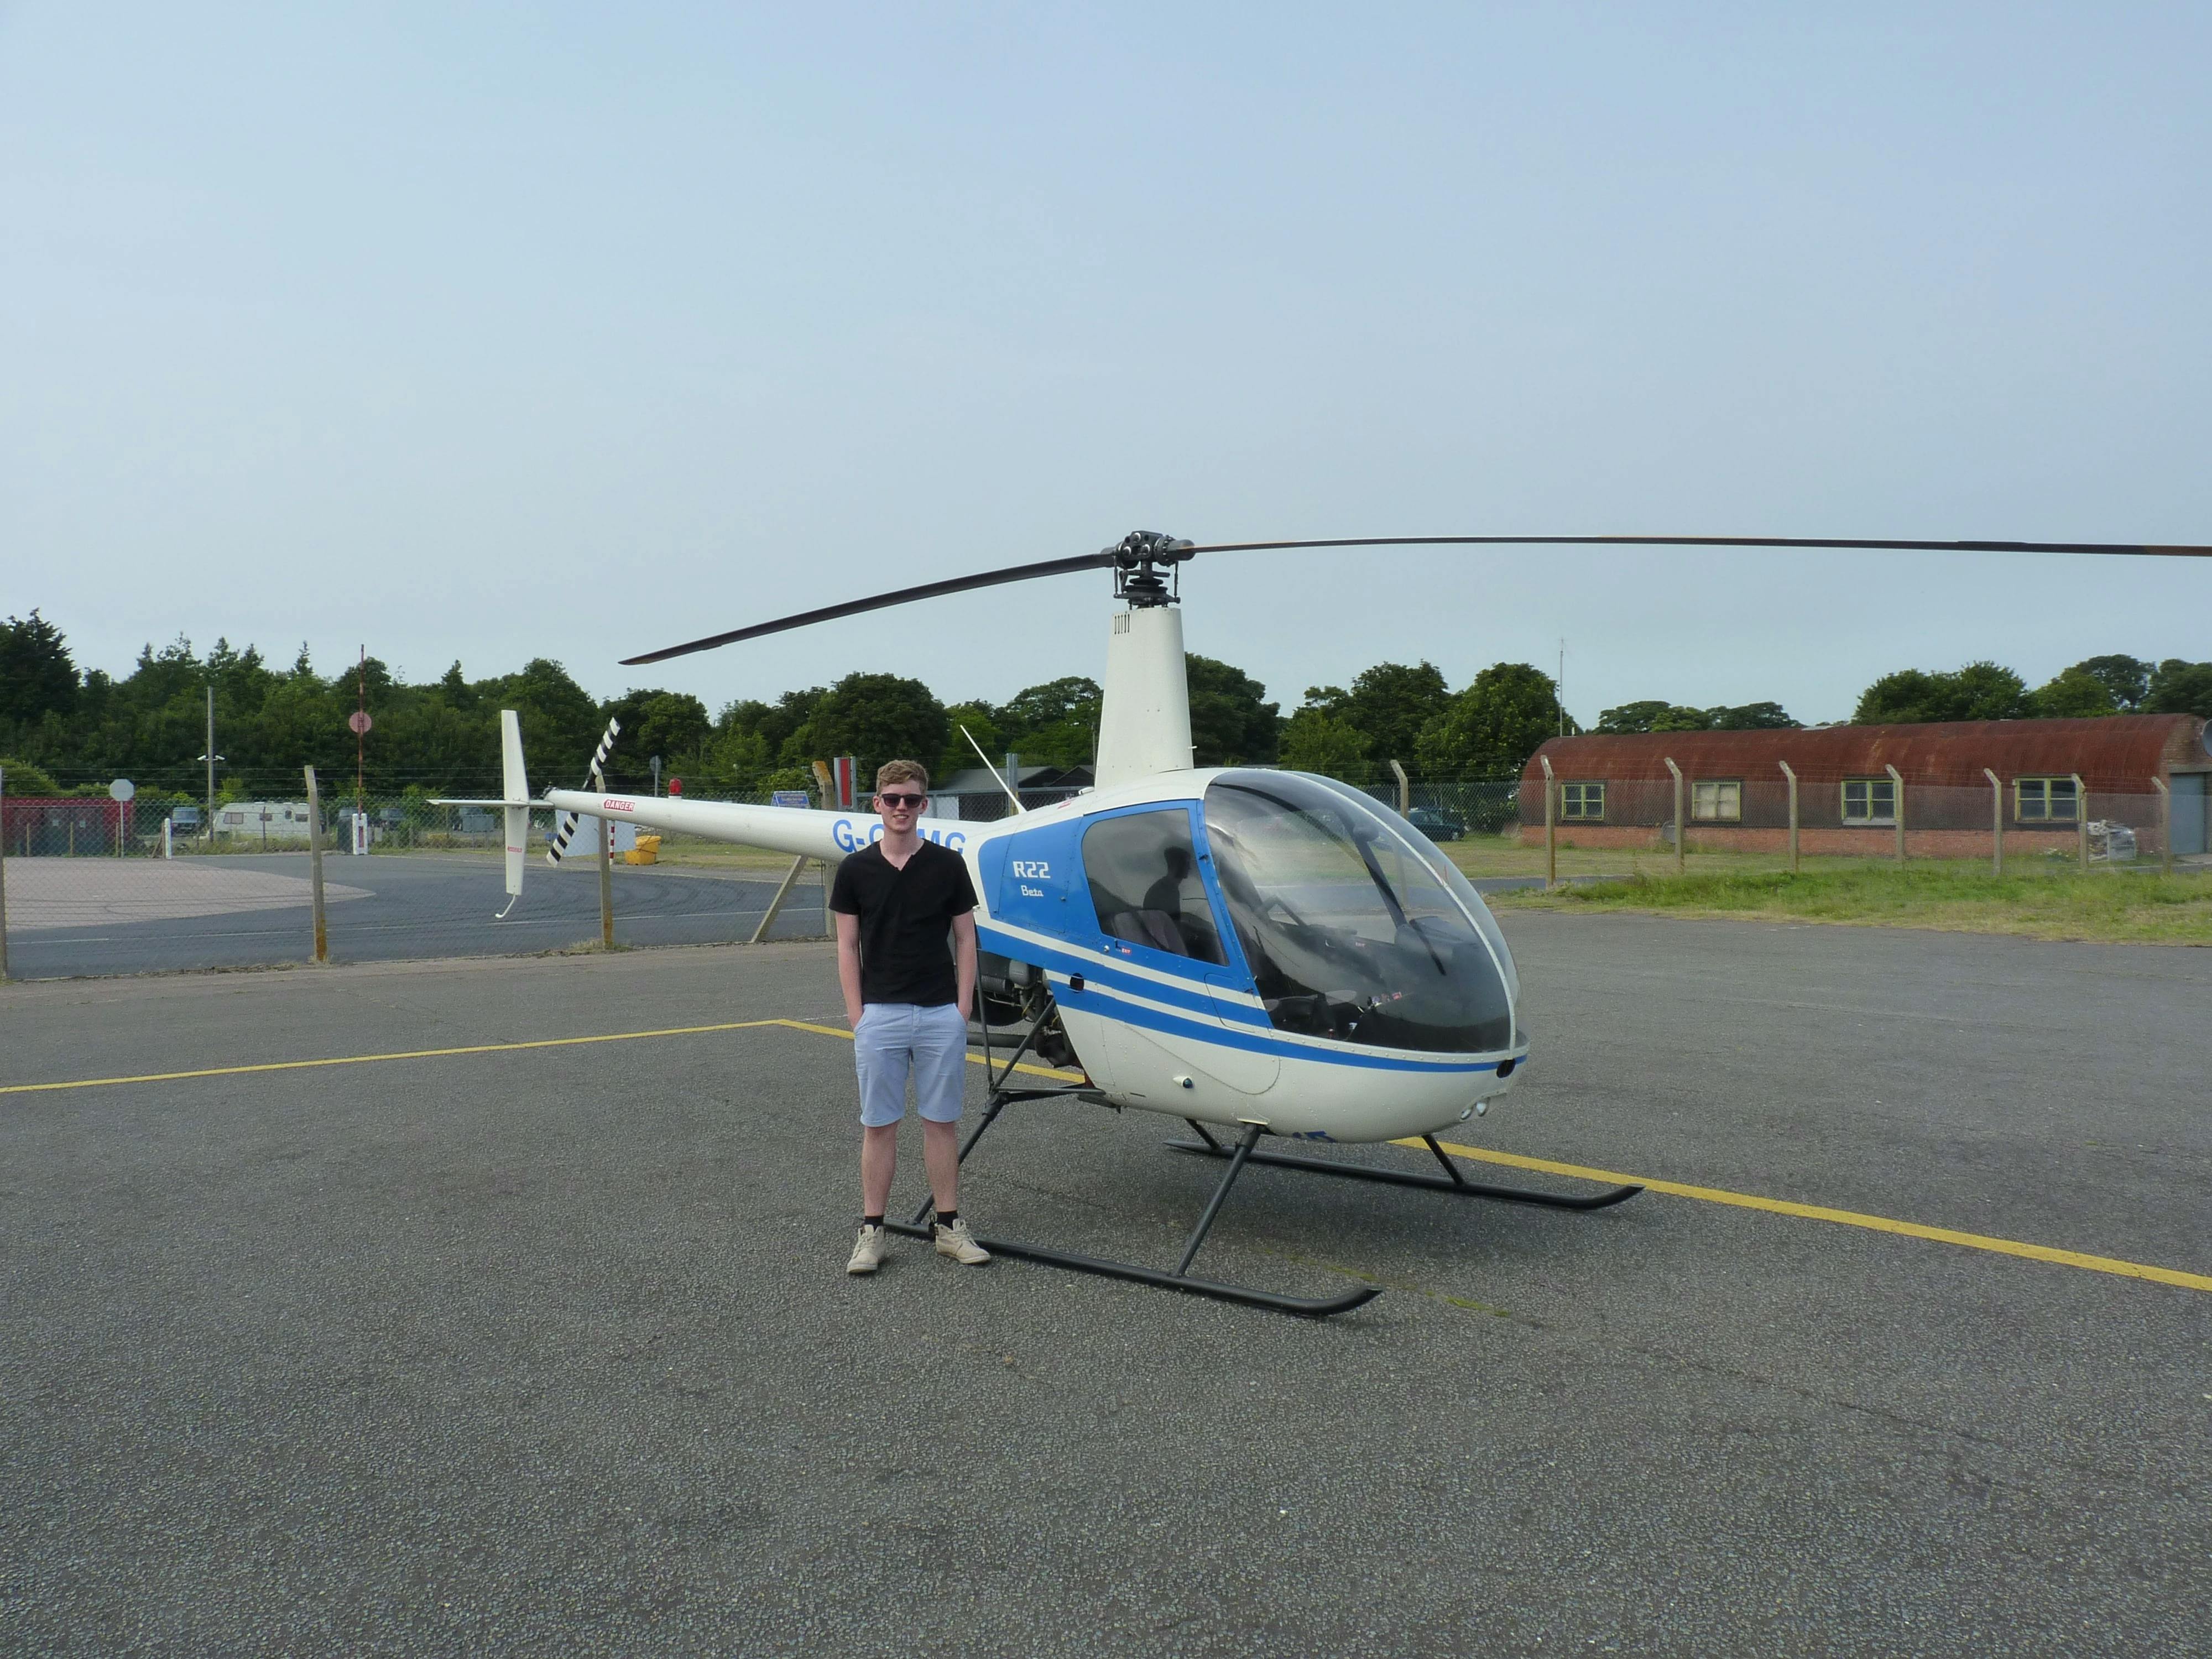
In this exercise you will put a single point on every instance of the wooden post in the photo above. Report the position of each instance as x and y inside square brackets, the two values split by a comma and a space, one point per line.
[1897, 783]
[315, 867]
[1551, 826]
[2082, 818]
[768, 917]
[1997, 819]
[2165, 847]
[4, 873]
[1405, 789]
[1681, 840]
[1792, 777]
[606, 883]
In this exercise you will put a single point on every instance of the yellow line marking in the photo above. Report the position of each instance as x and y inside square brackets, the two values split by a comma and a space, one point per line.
[2100, 1264]
[471, 1048]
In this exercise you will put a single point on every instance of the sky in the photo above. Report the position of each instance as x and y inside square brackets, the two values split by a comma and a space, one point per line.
[483, 332]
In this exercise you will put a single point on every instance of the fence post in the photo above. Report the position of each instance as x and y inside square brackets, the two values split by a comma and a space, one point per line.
[1792, 777]
[315, 864]
[2082, 818]
[4, 873]
[1897, 783]
[1551, 826]
[829, 921]
[2165, 844]
[1997, 819]
[1405, 789]
[606, 883]
[768, 917]
[1680, 848]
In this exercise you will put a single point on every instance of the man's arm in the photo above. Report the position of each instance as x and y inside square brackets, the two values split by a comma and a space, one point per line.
[964, 958]
[849, 962]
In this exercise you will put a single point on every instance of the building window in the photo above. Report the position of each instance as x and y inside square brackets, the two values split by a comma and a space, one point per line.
[2046, 800]
[1582, 803]
[1869, 800]
[1716, 803]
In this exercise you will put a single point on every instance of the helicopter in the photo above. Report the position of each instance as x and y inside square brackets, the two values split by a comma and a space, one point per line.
[1265, 954]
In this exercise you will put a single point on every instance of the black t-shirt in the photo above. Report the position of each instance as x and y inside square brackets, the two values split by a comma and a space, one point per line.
[905, 914]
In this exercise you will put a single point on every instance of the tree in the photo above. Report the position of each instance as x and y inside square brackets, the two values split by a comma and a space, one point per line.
[672, 725]
[37, 677]
[1751, 717]
[876, 718]
[2128, 679]
[2180, 687]
[1980, 691]
[21, 780]
[1632, 716]
[1055, 724]
[1389, 703]
[1229, 723]
[561, 724]
[2075, 694]
[1314, 740]
[1493, 726]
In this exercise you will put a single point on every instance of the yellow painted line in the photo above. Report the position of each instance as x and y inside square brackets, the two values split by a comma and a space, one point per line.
[471, 1048]
[2097, 1264]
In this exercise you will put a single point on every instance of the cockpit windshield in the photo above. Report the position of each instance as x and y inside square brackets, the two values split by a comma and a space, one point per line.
[1349, 934]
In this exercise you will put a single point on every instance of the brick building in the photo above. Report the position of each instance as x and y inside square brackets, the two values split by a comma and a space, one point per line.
[1950, 780]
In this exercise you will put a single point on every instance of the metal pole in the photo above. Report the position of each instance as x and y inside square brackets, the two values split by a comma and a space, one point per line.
[2165, 838]
[1405, 789]
[2082, 818]
[1897, 783]
[1551, 828]
[209, 830]
[4, 873]
[1680, 851]
[1792, 777]
[1996, 819]
[790, 881]
[315, 864]
[606, 883]
[828, 919]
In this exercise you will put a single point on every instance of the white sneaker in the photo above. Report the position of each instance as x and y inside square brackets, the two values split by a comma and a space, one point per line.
[959, 1243]
[868, 1249]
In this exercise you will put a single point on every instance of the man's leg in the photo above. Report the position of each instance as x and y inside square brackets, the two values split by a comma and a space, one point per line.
[879, 1163]
[940, 1085]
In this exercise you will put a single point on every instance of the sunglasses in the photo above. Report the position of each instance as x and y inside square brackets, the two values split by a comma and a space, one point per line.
[915, 802]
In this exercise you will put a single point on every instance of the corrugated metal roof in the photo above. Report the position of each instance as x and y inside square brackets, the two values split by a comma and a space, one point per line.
[2118, 751]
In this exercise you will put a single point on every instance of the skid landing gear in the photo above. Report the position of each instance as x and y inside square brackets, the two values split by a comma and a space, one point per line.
[1318, 1307]
[1451, 1181]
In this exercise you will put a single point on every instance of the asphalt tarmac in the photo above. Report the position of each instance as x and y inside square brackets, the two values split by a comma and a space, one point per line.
[419, 905]
[550, 1349]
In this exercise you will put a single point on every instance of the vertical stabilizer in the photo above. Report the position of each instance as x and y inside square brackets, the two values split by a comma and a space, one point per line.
[1144, 727]
[514, 791]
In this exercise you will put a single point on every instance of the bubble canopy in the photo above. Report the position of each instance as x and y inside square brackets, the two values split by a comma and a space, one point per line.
[1356, 928]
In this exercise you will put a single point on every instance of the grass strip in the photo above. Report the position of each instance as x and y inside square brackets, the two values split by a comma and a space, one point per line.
[2116, 907]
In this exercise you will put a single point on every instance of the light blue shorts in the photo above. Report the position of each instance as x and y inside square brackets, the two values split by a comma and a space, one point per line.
[895, 1038]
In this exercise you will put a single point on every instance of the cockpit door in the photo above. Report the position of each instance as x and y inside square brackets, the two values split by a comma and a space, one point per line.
[1187, 1004]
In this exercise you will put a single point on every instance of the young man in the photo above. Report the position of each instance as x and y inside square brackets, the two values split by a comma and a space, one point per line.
[907, 1000]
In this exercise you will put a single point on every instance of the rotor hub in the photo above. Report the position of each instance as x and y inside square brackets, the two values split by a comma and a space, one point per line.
[1144, 571]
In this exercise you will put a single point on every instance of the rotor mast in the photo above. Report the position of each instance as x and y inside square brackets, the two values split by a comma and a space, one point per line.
[1144, 720]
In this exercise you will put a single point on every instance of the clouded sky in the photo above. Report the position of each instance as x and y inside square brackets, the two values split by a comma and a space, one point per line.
[495, 331]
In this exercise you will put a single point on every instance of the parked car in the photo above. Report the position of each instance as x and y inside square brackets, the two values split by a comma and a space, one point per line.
[1434, 825]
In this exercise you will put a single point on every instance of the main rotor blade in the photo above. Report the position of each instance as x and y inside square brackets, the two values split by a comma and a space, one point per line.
[1019, 573]
[2139, 548]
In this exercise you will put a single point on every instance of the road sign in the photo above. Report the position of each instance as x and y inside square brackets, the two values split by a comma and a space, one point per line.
[787, 797]
[358, 723]
[122, 789]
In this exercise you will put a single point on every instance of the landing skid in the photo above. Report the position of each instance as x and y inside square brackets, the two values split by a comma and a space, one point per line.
[1318, 1307]
[1451, 1181]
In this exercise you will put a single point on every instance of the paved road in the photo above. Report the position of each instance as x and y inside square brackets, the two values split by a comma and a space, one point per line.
[548, 1351]
[421, 906]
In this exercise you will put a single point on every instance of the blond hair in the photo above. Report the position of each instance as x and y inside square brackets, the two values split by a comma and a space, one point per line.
[902, 771]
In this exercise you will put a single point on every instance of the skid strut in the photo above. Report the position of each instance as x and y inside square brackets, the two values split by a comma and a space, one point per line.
[1451, 1181]
[1002, 1097]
